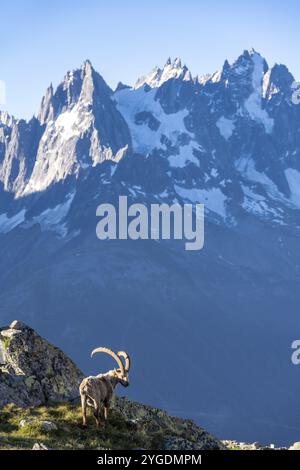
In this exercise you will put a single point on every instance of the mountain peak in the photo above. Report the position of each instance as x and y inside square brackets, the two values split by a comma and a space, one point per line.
[242, 68]
[250, 55]
[278, 79]
[47, 110]
[177, 63]
[87, 67]
[6, 119]
[252, 51]
[158, 76]
[121, 86]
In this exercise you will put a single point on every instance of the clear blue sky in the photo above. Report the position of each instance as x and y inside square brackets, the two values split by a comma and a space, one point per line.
[41, 40]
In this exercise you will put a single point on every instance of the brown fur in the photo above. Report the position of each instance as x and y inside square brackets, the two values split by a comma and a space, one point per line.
[97, 391]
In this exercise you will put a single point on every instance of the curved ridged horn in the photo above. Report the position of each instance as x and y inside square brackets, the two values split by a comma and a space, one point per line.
[127, 359]
[111, 353]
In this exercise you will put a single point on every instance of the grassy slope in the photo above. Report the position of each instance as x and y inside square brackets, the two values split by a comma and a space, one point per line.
[117, 434]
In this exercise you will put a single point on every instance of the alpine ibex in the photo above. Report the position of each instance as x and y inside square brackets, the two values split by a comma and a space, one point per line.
[98, 390]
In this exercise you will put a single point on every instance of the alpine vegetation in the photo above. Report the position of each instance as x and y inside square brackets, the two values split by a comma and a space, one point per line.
[163, 221]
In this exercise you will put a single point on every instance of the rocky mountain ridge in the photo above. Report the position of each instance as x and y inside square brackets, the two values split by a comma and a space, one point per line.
[229, 140]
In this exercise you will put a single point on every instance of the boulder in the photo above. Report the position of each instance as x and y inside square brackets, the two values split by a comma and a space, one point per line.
[39, 446]
[48, 426]
[295, 446]
[177, 433]
[25, 422]
[33, 371]
[17, 325]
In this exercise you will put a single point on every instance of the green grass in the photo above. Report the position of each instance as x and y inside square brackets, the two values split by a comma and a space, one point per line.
[116, 434]
[6, 340]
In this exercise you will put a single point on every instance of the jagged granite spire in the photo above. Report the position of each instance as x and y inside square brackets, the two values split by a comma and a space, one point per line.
[83, 128]
[158, 76]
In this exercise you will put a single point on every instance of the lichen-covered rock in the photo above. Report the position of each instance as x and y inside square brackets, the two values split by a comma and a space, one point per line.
[177, 433]
[48, 426]
[178, 443]
[236, 445]
[13, 389]
[17, 325]
[33, 371]
[44, 425]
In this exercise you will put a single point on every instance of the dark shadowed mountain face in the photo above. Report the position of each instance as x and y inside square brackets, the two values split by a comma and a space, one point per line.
[210, 332]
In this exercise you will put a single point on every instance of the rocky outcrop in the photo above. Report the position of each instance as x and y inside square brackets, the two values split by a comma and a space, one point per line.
[236, 445]
[180, 434]
[295, 446]
[32, 371]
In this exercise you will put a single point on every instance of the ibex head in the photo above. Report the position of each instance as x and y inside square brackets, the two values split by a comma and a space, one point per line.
[122, 372]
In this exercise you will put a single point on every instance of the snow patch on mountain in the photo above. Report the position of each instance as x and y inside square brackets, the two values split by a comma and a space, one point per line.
[56, 156]
[51, 219]
[262, 209]
[226, 127]
[258, 205]
[213, 198]
[131, 102]
[246, 167]
[184, 156]
[269, 89]
[9, 223]
[159, 76]
[248, 192]
[293, 179]
[71, 123]
[253, 104]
